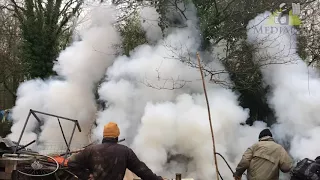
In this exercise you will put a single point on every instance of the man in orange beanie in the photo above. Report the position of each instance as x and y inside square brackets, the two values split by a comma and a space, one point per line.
[109, 160]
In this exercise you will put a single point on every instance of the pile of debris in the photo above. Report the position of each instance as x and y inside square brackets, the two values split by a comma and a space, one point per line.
[9, 147]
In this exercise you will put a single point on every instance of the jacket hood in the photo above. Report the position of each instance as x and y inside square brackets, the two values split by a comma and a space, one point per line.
[110, 140]
[266, 138]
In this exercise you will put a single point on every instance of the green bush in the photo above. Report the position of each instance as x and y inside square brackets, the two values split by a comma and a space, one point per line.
[5, 128]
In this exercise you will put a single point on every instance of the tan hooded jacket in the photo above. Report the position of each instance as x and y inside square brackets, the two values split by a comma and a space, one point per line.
[263, 160]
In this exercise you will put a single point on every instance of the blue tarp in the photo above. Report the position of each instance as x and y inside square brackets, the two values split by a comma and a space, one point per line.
[7, 117]
[1, 114]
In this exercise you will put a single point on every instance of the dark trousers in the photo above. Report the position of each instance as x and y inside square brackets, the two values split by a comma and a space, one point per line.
[295, 178]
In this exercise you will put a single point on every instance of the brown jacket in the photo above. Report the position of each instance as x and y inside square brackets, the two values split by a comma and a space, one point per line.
[109, 161]
[263, 161]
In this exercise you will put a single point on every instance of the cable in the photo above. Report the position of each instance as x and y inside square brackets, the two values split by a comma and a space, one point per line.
[224, 159]
[226, 162]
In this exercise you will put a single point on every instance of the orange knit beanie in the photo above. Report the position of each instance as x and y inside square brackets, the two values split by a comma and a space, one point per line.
[111, 130]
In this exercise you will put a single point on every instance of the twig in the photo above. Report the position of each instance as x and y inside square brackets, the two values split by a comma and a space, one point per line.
[212, 135]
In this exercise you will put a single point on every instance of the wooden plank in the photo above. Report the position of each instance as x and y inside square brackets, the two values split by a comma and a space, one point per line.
[9, 169]
[4, 175]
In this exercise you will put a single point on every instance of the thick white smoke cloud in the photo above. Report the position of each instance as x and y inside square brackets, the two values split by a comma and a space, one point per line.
[170, 117]
[156, 99]
[80, 66]
[295, 93]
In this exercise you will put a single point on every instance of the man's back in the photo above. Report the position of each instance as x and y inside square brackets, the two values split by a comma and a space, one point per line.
[109, 161]
[267, 158]
[263, 160]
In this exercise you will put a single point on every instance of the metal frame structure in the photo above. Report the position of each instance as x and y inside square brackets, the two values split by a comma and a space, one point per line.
[34, 113]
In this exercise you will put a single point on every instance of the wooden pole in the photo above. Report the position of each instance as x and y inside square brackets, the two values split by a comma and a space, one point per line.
[178, 176]
[208, 107]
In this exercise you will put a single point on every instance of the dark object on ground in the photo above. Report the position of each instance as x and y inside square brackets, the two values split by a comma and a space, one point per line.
[306, 169]
[18, 162]
[8, 146]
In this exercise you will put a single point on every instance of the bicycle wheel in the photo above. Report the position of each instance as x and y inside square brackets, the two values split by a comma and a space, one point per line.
[39, 166]
[17, 157]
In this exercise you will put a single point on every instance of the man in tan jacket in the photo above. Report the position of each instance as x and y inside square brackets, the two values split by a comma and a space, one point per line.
[264, 159]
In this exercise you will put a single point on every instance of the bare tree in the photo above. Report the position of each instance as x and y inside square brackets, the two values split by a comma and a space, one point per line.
[223, 25]
[11, 69]
[309, 38]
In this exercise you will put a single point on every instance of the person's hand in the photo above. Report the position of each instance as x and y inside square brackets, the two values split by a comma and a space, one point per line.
[91, 177]
[237, 178]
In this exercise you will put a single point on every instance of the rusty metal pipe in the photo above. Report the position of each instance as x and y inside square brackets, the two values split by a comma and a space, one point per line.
[121, 140]
[22, 147]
